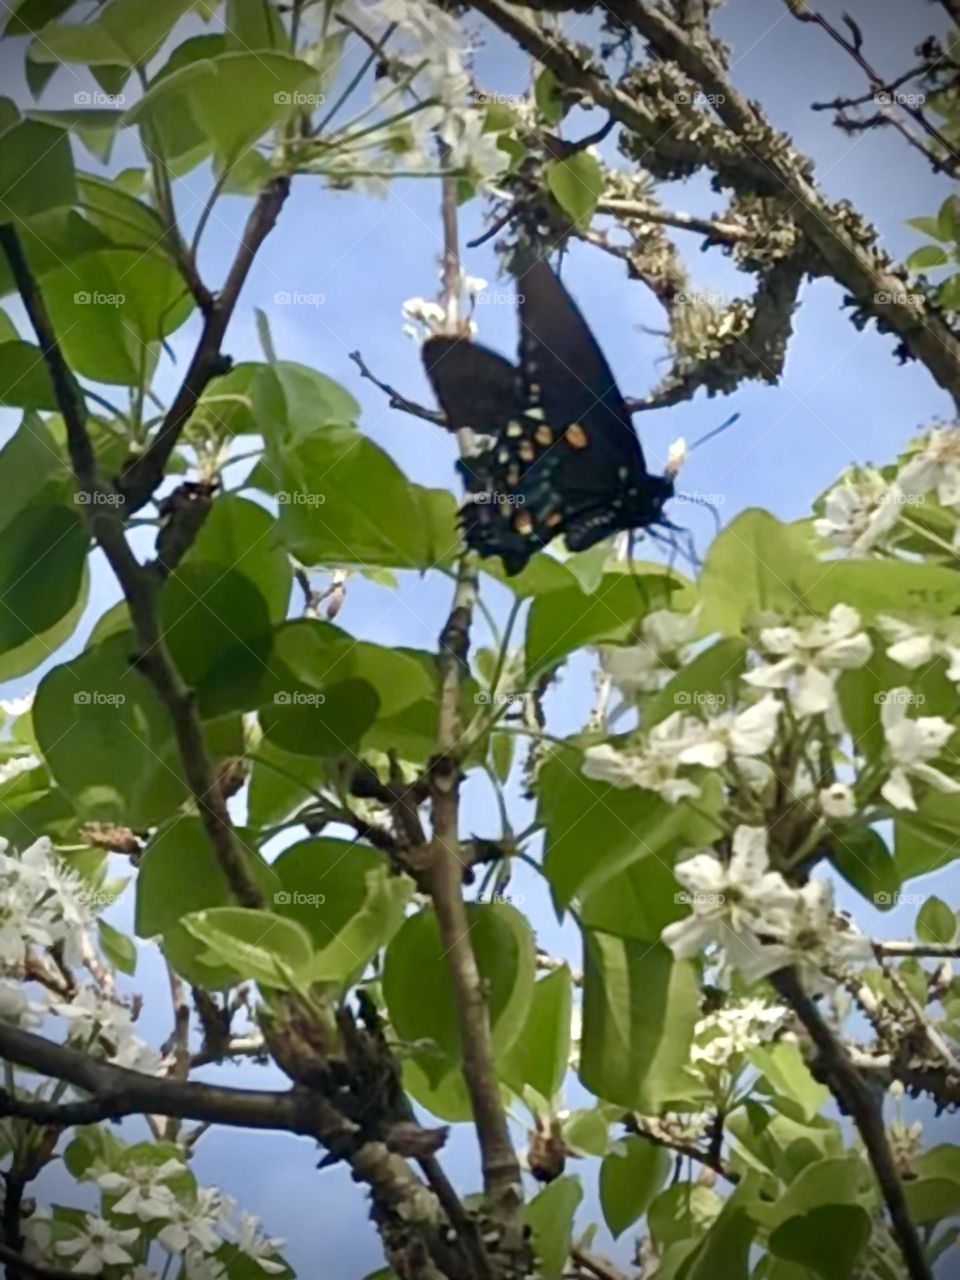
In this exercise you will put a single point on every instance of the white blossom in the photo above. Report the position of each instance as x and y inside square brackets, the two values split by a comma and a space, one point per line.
[911, 745]
[97, 1246]
[935, 466]
[14, 707]
[859, 511]
[252, 1242]
[197, 1229]
[16, 1007]
[837, 801]
[732, 902]
[654, 768]
[142, 1190]
[913, 646]
[16, 765]
[808, 657]
[676, 456]
[649, 664]
[744, 733]
[735, 1029]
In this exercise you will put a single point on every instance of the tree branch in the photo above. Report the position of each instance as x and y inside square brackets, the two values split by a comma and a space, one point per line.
[855, 1097]
[141, 478]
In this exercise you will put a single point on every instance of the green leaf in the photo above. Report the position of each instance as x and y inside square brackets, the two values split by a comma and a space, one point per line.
[710, 680]
[30, 16]
[179, 873]
[281, 782]
[576, 183]
[42, 565]
[639, 1010]
[682, 1211]
[936, 922]
[122, 219]
[24, 380]
[932, 1199]
[95, 127]
[119, 949]
[948, 293]
[928, 255]
[929, 839]
[789, 1075]
[112, 309]
[416, 962]
[253, 24]
[755, 565]
[344, 501]
[928, 227]
[550, 1217]
[346, 898]
[125, 33]
[629, 1179]
[547, 93]
[255, 945]
[832, 1181]
[217, 626]
[561, 621]
[36, 170]
[240, 534]
[539, 1055]
[626, 827]
[828, 1239]
[861, 856]
[233, 98]
[725, 1250]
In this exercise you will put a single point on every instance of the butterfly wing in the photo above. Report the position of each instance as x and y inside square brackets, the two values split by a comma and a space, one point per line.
[479, 389]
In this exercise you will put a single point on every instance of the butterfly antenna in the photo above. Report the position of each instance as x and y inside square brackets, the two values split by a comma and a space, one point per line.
[734, 417]
[702, 502]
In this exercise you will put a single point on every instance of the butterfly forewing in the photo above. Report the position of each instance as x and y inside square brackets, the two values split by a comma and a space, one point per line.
[476, 387]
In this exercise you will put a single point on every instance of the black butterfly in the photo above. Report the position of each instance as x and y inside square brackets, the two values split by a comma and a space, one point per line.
[565, 458]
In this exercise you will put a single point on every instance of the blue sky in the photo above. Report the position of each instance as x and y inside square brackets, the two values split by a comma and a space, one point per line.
[842, 398]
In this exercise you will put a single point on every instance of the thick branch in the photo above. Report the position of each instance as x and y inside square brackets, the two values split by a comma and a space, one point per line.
[855, 1097]
[140, 480]
[767, 160]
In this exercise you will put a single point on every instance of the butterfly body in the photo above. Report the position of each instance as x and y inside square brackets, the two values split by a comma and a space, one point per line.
[564, 457]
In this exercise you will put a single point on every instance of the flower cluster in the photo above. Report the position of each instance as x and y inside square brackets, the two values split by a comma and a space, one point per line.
[734, 1030]
[761, 922]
